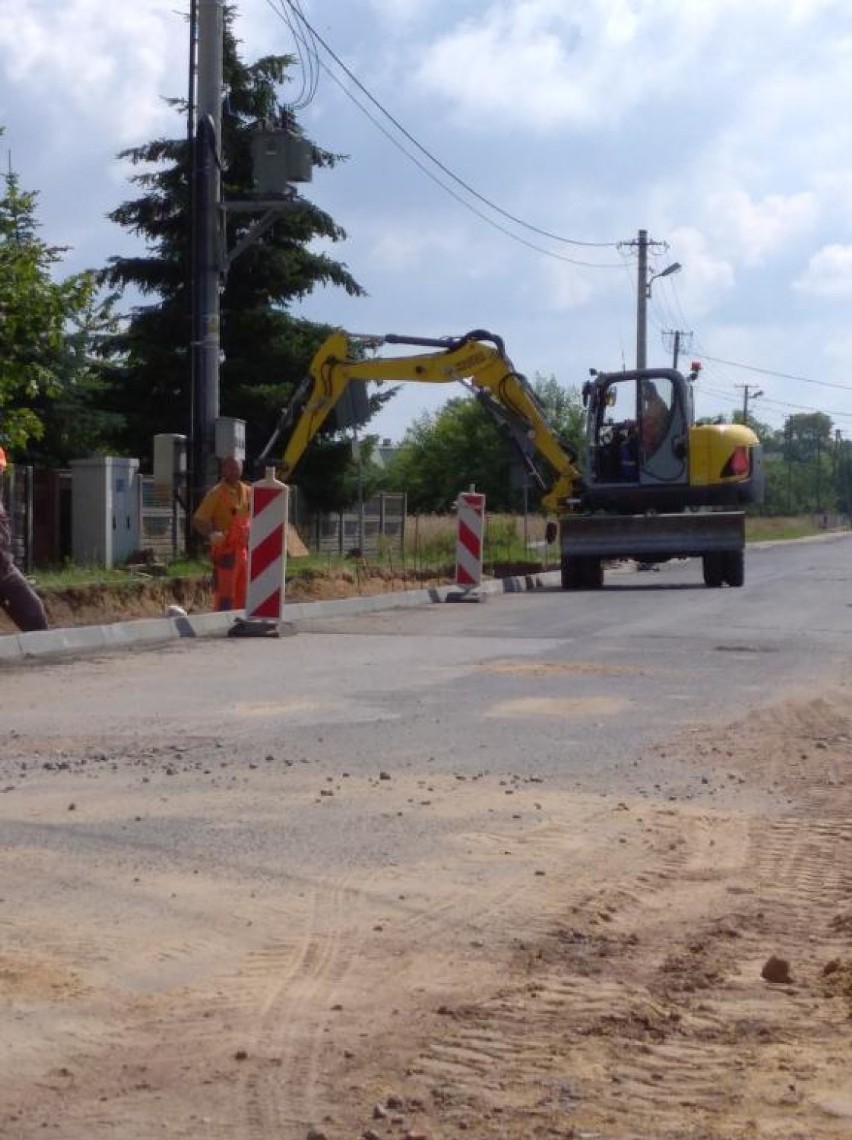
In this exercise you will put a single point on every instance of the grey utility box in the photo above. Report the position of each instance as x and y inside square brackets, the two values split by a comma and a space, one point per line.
[230, 438]
[104, 510]
[279, 157]
[169, 459]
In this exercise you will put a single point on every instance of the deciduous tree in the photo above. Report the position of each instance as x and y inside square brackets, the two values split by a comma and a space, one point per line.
[444, 453]
[45, 324]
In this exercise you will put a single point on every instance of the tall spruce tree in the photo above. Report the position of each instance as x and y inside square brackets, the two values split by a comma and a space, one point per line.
[266, 349]
[46, 329]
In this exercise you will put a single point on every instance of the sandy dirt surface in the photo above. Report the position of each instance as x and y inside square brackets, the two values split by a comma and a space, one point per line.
[562, 965]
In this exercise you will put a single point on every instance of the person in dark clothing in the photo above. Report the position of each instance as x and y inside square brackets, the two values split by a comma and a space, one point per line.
[17, 597]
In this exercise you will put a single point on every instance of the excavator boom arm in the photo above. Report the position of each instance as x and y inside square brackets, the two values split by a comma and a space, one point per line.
[477, 360]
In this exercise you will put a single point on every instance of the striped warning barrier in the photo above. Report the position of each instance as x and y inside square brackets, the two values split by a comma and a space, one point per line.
[471, 521]
[267, 561]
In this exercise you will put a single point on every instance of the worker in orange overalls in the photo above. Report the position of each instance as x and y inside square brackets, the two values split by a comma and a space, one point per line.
[223, 518]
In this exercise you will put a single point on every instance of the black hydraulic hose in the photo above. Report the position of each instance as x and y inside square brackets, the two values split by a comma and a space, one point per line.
[447, 342]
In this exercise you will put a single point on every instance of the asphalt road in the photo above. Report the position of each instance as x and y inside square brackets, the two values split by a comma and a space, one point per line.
[563, 685]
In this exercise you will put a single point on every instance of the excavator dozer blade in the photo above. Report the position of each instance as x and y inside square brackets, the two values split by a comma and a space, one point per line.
[649, 537]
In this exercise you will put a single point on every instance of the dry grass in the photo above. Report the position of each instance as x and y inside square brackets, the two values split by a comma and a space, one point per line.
[431, 539]
[764, 529]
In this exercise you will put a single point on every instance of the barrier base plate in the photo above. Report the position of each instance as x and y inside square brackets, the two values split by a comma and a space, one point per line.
[254, 627]
[471, 594]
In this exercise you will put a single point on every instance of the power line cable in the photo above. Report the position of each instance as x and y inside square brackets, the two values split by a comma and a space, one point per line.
[309, 57]
[449, 190]
[682, 317]
[780, 375]
[308, 46]
[706, 389]
[805, 408]
[774, 401]
[431, 157]
[666, 306]
[717, 360]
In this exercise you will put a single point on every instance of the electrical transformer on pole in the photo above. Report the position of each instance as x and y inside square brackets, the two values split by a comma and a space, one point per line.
[279, 158]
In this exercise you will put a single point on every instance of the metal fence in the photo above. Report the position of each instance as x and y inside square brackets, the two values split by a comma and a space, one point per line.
[375, 528]
[162, 520]
[39, 505]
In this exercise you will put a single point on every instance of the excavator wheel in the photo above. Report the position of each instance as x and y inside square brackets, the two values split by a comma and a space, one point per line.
[734, 561]
[714, 565]
[594, 573]
[582, 573]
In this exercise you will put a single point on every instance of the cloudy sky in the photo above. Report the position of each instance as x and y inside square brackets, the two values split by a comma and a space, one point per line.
[721, 127]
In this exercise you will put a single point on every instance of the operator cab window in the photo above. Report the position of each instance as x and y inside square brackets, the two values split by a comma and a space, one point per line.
[656, 399]
[617, 444]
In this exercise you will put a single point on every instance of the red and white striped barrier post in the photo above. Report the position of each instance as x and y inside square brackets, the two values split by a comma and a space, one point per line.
[471, 522]
[267, 556]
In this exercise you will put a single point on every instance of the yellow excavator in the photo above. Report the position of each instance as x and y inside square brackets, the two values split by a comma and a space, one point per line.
[652, 485]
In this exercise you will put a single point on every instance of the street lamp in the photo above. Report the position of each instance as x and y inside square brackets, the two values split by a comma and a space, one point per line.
[675, 267]
[644, 293]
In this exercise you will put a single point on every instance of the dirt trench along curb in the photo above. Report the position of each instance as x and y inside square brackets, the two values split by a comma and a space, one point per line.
[148, 631]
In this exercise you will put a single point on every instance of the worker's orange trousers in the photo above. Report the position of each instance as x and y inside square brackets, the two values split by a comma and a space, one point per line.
[230, 568]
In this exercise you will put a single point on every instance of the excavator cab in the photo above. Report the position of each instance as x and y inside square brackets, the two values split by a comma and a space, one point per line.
[637, 427]
[637, 437]
[644, 451]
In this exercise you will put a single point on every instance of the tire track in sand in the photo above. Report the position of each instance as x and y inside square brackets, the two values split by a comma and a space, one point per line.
[645, 1013]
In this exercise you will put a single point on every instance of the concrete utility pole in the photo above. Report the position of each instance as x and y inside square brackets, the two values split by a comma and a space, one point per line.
[678, 336]
[749, 392]
[207, 247]
[643, 292]
[642, 302]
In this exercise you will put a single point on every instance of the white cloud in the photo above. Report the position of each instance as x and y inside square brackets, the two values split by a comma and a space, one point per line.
[544, 64]
[563, 287]
[838, 353]
[397, 248]
[518, 65]
[402, 12]
[829, 273]
[94, 67]
[707, 277]
[753, 229]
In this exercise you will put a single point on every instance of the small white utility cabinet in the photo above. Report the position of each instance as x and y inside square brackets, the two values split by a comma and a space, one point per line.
[104, 510]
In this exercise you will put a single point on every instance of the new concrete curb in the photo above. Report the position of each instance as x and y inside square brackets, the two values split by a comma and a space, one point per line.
[148, 631]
